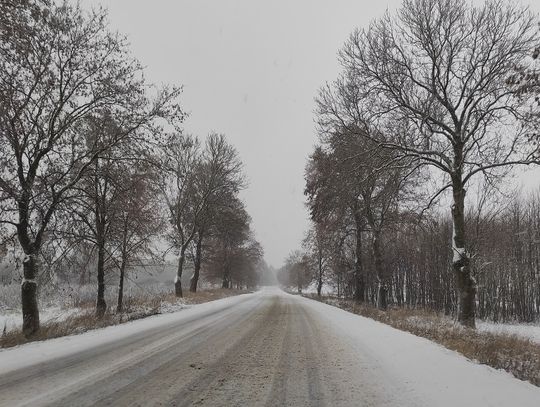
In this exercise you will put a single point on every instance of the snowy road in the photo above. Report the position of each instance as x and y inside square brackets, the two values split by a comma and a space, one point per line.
[262, 349]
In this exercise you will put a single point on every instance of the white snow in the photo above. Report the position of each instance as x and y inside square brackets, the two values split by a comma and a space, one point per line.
[427, 373]
[421, 372]
[527, 331]
[12, 319]
[38, 352]
[28, 280]
[458, 252]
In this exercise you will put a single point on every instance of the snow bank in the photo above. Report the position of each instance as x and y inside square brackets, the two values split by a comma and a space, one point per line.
[12, 319]
[528, 331]
[37, 352]
[425, 372]
[66, 301]
[413, 371]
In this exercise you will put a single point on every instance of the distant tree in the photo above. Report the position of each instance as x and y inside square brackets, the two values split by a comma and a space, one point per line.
[138, 224]
[334, 197]
[193, 179]
[231, 232]
[295, 272]
[246, 261]
[267, 274]
[318, 246]
[218, 201]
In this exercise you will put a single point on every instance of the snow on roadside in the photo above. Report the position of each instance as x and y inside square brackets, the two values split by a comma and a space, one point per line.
[12, 319]
[167, 307]
[522, 330]
[38, 352]
[528, 331]
[423, 370]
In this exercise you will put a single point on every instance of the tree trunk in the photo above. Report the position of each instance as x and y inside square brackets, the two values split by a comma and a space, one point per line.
[121, 285]
[461, 264]
[226, 279]
[101, 305]
[29, 296]
[320, 280]
[178, 279]
[382, 300]
[197, 265]
[359, 282]
[30, 308]
[123, 264]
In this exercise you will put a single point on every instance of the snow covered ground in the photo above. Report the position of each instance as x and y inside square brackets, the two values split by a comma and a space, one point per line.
[522, 330]
[12, 319]
[65, 302]
[445, 377]
[529, 331]
[38, 352]
[238, 341]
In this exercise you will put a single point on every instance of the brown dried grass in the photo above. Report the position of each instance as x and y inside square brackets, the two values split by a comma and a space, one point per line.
[134, 308]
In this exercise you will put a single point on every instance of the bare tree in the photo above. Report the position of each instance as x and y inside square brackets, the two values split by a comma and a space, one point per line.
[207, 226]
[230, 233]
[58, 65]
[138, 224]
[436, 75]
[334, 196]
[195, 178]
[295, 272]
[318, 245]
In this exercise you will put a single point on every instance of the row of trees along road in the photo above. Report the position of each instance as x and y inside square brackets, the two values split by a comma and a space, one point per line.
[93, 160]
[441, 93]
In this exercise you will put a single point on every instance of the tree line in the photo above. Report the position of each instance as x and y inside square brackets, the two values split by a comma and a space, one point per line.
[94, 162]
[433, 101]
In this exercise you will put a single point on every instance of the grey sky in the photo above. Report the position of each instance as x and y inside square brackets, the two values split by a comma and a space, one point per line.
[251, 70]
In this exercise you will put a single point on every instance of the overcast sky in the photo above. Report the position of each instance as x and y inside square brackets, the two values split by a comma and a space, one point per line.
[250, 69]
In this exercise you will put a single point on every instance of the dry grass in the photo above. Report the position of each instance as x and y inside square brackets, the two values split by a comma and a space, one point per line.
[134, 308]
[211, 295]
[516, 355]
[72, 325]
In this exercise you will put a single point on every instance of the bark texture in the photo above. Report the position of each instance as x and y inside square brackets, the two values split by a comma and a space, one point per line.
[382, 299]
[119, 306]
[226, 279]
[461, 264]
[178, 280]
[359, 282]
[197, 265]
[29, 296]
[101, 305]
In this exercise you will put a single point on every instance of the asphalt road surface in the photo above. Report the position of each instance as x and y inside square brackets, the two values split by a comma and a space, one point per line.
[264, 349]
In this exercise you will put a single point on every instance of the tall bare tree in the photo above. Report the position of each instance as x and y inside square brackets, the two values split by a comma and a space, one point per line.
[58, 65]
[231, 231]
[436, 75]
[318, 246]
[334, 196]
[138, 224]
[195, 178]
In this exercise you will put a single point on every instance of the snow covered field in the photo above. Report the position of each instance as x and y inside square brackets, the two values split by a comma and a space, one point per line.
[12, 319]
[525, 331]
[528, 331]
[57, 305]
